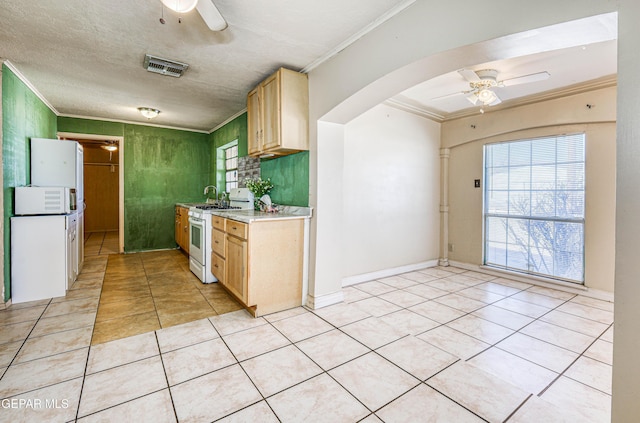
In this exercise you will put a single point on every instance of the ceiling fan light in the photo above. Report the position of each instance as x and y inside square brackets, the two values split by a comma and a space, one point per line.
[486, 96]
[148, 112]
[180, 6]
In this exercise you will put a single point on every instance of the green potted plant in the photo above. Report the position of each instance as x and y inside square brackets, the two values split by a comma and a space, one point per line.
[258, 187]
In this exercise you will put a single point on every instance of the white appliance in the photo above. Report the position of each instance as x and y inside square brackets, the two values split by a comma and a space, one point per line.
[44, 200]
[200, 246]
[60, 163]
[42, 256]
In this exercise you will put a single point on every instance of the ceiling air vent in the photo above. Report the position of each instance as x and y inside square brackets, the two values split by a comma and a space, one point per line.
[164, 66]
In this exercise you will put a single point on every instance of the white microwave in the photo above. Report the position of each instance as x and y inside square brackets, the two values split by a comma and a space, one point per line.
[44, 200]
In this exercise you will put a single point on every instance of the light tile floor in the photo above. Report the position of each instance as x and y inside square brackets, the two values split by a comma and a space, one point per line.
[436, 345]
[101, 243]
[147, 291]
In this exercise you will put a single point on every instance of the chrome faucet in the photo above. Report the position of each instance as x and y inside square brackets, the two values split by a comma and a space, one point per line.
[206, 191]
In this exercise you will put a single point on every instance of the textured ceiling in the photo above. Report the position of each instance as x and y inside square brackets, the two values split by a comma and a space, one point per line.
[85, 56]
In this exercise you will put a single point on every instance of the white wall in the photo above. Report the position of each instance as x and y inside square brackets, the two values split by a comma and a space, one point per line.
[626, 371]
[433, 36]
[417, 44]
[425, 40]
[391, 189]
[531, 121]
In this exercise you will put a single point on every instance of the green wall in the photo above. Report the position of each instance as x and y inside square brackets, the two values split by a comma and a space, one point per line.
[234, 130]
[24, 116]
[162, 167]
[88, 126]
[290, 177]
[289, 174]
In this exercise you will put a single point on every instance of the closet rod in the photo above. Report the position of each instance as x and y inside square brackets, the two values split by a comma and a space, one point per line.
[101, 164]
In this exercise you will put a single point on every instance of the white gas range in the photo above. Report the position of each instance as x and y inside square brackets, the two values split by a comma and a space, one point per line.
[200, 231]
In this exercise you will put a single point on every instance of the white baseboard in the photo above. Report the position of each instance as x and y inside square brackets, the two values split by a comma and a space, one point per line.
[324, 300]
[365, 277]
[538, 281]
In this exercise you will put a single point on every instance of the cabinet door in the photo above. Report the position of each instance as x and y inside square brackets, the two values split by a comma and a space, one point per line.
[271, 111]
[236, 263]
[178, 228]
[254, 117]
[217, 268]
[217, 242]
[184, 219]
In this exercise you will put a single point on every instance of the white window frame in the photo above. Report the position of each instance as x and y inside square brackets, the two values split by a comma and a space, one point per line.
[517, 226]
[229, 184]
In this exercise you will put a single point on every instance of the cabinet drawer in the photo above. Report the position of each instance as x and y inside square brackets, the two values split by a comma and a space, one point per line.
[217, 267]
[218, 222]
[217, 242]
[238, 229]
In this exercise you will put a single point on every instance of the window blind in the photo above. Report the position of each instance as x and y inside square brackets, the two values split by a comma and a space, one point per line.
[534, 206]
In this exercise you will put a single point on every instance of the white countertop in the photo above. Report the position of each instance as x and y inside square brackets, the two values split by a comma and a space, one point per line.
[248, 216]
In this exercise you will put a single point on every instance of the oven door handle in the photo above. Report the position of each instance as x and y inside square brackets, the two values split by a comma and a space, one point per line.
[194, 221]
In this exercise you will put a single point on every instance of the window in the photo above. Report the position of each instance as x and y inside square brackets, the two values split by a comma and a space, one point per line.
[231, 167]
[534, 206]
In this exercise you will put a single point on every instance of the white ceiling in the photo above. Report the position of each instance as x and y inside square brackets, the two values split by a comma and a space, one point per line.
[85, 57]
[571, 70]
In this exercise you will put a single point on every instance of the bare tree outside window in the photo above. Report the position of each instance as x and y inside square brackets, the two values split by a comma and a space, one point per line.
[534, 206]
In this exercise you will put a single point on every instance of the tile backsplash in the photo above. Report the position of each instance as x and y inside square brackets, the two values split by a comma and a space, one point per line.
[248, 167]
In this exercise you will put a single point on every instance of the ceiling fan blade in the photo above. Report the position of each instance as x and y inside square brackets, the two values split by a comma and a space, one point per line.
[534, 77]
[469, 75]
[211, 15]
[442, 97]
[473, 98]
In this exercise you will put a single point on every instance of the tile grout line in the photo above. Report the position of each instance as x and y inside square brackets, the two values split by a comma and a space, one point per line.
[84, 377]
[166, 378]
[370, 350]
[320, 367]
[25, 339]
[573, 362]
[95, 319]
[516, 331]
[238, 363]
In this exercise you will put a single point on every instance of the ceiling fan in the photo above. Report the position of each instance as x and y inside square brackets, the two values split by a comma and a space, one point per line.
[483, 81]
[206, 8]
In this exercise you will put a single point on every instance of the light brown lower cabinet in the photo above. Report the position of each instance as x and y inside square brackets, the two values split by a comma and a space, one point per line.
[182, 228]
[260, 263]
[237, 257]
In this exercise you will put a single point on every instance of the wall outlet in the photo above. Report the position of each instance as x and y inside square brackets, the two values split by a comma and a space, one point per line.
[451, 248]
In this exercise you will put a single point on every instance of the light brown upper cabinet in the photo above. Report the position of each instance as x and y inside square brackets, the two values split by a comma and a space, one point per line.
[278, 115]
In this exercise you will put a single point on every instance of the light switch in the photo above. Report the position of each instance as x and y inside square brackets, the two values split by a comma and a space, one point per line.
[476, 183]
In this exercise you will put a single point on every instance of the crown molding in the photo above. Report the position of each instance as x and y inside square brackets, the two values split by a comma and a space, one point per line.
[29, 85]
[596, 84]
[410, 108]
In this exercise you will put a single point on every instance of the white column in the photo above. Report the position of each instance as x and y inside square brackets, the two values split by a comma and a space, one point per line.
[444, 207]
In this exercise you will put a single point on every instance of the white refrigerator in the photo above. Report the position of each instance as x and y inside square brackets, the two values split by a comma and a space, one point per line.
[60, 163]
